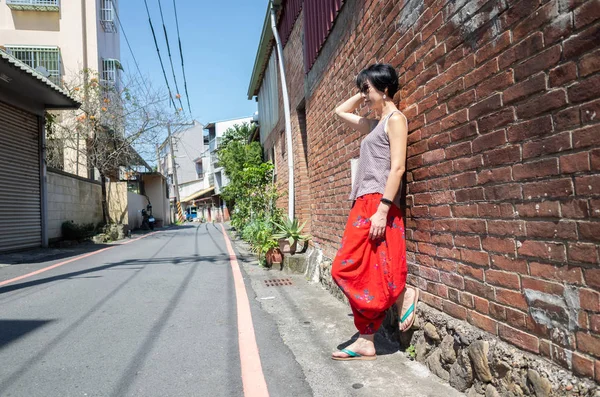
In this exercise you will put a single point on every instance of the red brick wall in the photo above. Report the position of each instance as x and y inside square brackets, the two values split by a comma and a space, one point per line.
[503, 172]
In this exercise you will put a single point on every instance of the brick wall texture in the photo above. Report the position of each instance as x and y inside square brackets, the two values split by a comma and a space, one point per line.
[503, 168]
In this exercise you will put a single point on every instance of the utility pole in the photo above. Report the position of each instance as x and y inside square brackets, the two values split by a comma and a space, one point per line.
[174, 165]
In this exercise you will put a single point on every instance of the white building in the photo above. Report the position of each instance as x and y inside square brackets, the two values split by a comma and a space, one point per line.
[60, 38]
[189, 146]
[199, 176]
[215, 132]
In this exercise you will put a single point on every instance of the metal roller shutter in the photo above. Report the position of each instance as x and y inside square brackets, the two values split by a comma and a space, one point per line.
[20, 202]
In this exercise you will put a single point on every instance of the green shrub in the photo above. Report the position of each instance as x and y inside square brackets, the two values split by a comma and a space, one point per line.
[73, 231]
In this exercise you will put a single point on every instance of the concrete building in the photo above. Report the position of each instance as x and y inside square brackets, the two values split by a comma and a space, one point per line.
[189, 146]
[60, 39]
[214, 207]
[215, 131]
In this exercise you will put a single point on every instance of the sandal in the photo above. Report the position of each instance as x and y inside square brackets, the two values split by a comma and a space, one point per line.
[410, 311]
[354, 356]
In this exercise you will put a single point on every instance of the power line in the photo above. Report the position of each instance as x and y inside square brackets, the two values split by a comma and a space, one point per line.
[129, 46]
[169, 52]
[159, 56]
[187, 96]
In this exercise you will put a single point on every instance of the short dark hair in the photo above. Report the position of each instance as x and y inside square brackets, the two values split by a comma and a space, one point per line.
[381, 76]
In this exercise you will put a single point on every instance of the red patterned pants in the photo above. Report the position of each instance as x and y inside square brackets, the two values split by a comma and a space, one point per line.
[372, 273]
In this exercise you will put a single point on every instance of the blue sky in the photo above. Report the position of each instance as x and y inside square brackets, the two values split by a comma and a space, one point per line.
[219, 41]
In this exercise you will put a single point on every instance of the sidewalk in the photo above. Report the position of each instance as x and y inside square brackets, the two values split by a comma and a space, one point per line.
[314, 324]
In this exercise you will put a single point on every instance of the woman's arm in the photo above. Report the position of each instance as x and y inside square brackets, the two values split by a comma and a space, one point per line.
[397, 129]
[346, 112]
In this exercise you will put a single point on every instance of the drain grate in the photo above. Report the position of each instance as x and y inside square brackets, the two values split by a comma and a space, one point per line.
[278, 282]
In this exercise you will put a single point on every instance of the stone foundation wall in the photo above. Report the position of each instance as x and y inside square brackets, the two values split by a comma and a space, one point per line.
[479, 364]
[471, 360]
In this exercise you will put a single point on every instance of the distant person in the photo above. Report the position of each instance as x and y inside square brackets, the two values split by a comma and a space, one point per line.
[370, 266]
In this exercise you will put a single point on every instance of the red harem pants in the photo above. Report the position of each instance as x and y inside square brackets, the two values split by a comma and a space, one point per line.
[372, 273]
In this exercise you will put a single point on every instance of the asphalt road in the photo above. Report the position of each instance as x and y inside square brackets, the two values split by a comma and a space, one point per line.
[155, 317]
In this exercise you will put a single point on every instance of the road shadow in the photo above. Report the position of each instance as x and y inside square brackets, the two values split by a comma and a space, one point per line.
[181, 260]
[11, 330]
[40, 255]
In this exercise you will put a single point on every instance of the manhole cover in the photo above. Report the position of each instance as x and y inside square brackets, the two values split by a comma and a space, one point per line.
[278, 282]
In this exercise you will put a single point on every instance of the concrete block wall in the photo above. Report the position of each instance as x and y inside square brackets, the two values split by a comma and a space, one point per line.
[72, 198]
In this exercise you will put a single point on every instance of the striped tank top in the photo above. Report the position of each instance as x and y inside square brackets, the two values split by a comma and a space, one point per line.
[374, 163]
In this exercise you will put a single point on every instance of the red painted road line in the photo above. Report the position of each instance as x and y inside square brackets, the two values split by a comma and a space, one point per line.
[253, 378]
[12, 280]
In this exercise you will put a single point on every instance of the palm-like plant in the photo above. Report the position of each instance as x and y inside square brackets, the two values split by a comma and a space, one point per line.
[290, 230]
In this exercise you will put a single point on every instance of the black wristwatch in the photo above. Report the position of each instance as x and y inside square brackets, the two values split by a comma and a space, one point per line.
[386, 201]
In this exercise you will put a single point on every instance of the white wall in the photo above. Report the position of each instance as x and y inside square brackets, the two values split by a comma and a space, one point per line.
[155, 187]
[192, 188]
[222, 126]
[188, 145]
[135, 203]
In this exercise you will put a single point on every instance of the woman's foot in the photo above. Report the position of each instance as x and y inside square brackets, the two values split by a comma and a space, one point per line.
[364, 346]
[407, 299]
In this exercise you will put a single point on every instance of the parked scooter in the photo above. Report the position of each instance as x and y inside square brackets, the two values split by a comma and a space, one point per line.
[148, 220]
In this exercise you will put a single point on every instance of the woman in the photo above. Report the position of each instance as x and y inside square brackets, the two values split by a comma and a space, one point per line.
[370, 266]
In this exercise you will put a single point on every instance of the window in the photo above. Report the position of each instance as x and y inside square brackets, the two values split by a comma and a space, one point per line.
[33, 5]
[110, 70]
[107, 16]
[46, 60]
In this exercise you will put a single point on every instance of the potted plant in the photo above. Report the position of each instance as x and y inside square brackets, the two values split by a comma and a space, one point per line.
[266, 246]
[273, 253]
[289, 234]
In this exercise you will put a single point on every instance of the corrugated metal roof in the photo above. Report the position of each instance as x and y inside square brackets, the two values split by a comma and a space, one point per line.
[291, 11]
[263, 53]
[25, 68]
[319, 17]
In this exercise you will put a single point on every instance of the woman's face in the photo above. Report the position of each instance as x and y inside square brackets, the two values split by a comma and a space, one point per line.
[373, 98]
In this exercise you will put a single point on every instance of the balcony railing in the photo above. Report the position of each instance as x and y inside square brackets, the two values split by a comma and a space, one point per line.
[214, 144]
[34, 5]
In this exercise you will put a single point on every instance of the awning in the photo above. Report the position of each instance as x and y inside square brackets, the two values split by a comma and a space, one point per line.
[197, 194]
[18, 78]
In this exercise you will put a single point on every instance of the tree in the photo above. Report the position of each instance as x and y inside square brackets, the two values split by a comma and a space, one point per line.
[115, 128]
[251, 191]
